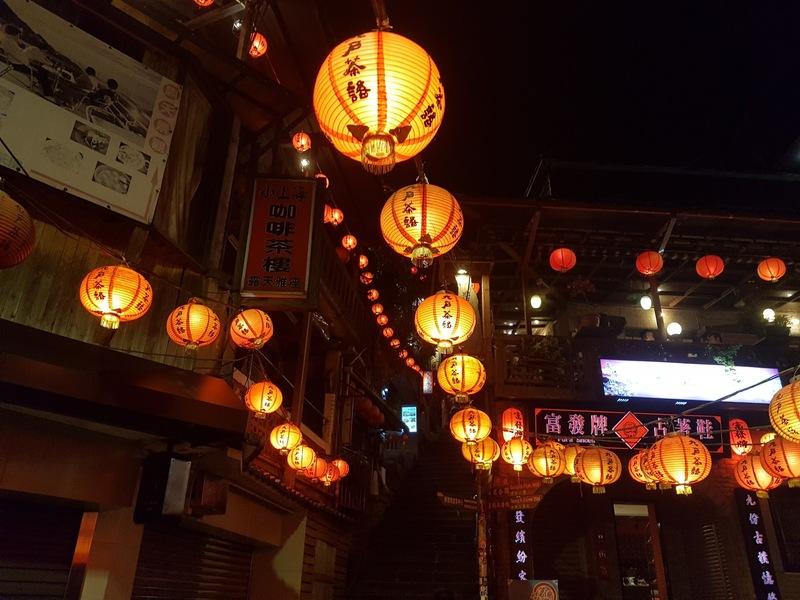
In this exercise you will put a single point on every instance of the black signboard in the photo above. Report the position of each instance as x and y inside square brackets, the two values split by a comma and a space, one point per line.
[762, 567]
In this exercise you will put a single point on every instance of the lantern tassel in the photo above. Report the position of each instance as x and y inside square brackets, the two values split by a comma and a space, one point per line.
[762, 494]
[575, 479]
[650, 486]
[598, 489]
[109, 321]
[683, 490]
[794, 482]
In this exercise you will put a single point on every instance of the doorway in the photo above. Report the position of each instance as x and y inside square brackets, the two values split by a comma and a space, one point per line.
[641, 565]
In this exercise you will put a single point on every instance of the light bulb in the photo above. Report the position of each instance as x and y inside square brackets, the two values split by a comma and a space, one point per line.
[536, 301]
[304, 163]
[674, 328]
[769, 315]
[462, 279]
[646, 302]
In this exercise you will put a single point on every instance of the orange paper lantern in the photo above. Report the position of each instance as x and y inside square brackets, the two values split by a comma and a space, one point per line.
[366, 278]
[263, 398]
[709, 266]
[751, 475]
[444, 319]
[784, 412]
[512, 424]
[258, 45]
[516, 452]
[331, 475]
[387, 332]
[342, 466]
[649, 262]
[115, 294]
[316, 470]
[403, 354]
[363, 261]
[394, 343]
[562, 260]
[204, 3]
[382, 320]
[334, 216]
[17, 235]
[373, 295]
[681, 461]
[377, 309]
[482, 454]
[461, 375]
[470, 425]
[285, 436]
[740, 438]
[771, 269]
[638, 474]
[251, 329]
[193, 325]
[378, 97]
[301, 141]
[598, 467]
[300, 457]
[570, 452]
[547, 461]
[781, 458]
[410, 362]
[421, 221]
[349, 242]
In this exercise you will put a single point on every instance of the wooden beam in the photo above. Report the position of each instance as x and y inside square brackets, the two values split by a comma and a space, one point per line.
[728, 291]
[667, 233]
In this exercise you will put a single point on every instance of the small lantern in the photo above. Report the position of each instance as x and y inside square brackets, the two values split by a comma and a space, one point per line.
[771, 269]
[516, 452]
[709, 266]
[462, 376]
[781, 458]
[649, 262]
[403, 354]
[373, 295]
[258, 45]
[204, 3]
[366, 278]
[570, 452]
[349, 242]
[547, 461]
[382, 320]
[115, 294]
[301, 141]
[751, 475]
[638, 474]
[334, 216]
[300, 457]
[681, 461]
[562, 260]
[342, 466]
[331, 475]
[17, 235]
[410, 362]
[377, 309]
[263, 398]
[251, 329]
[784, 412]
[363, 261]
[470, 425]
[193, 325]
[394, 343]
[512, 424]
[598, 467]
[316, 470]
[444, 319]
[285, 436]
[740, 438]
[387, 332]
[482, 454]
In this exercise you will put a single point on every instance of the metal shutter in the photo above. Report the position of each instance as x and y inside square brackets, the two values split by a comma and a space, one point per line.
[37, 544]
[181, 564]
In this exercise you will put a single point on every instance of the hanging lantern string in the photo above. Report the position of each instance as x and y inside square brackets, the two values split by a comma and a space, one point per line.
[224, 362]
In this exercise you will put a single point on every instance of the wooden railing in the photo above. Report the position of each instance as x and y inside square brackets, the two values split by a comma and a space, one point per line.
[538, 367]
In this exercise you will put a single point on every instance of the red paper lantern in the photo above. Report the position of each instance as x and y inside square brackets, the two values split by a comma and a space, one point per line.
[741, 440]
[403, 354]
[562, 259]
[302, 142]
[377, 309]
[410, 362]
[373, 295]
[363, 261]
[649, 263]
[349, 241]
[258, 45]
[382, 320]
[394, 343]
[771, 269]
[332, 215]
[204, 3]
[709, 266]
[387, 332]
[366, 278]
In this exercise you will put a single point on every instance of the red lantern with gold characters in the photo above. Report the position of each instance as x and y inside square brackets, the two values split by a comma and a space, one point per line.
[781, 458]
[547, 461]
[193, 325]
[741, 440]
[378, 97]
[771, 269]
[516, 452]
[784, 412]
[251, 329]
[445, 319]
[512, 424]
[349, 242]
[598, 467]
[751, 475]
[301, 141]
[316, 470]
[258, 45]
[263, 398]
[285, 436]
[562, 260]
[115, 294]
[709, 266]
[17, 235]
[649, 262]
[331, 475]
[470, 425]
[638, 474]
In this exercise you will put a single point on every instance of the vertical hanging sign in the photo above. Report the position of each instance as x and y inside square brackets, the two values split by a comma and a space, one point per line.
[762, 568]
[279, 241]
[521, 568]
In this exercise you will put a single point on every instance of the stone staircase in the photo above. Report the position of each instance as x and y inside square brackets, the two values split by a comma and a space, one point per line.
[423, 550]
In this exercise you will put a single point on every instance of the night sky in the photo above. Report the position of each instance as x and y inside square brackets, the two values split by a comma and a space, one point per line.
[701, 85]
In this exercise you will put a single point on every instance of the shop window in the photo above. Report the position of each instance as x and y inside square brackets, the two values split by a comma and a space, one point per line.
[322, 587]
[785, 505]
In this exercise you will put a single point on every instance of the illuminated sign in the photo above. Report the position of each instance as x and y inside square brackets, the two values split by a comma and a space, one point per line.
[687, 381]
[409, 416]
[755, 542]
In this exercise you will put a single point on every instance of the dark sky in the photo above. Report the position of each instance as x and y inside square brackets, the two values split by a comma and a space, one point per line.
[706, 84]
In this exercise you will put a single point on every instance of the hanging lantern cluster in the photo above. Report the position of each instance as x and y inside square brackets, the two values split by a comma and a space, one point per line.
[17, 235]
[597, 467]
[115, 294]
[482, 454]
[461, 376]
[444, 319]
[421, 221]
[378, 97]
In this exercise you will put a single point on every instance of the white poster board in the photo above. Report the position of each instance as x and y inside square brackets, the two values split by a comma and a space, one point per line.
[81, 116]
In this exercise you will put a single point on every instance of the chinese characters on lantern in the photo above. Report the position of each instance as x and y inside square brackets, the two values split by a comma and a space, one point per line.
[756, 547]
[521, 568]
[353, 65]
[279, 241]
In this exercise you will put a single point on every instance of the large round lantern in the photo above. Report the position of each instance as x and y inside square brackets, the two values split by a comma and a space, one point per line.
[638, 474]
[512, 424]
[470, 425]
[379, 98]
[598, 467]
[516, 452]
[193, 325]
[301, 142]
[349, 242]
[649, 263]
[331, 475]
[709, 266]
[771, 269]
[781, 458]
[263, 398]
[562, 260]
[316, 470]
[444, 319]
[342, 466]
[740, 437]
[251, 329]
[751, 475]
[285, 436]
[461, 375]
[421, 221]
[115, 294]
[547, 461]
[784, 412]
[300, 457]
[481, 454]
[17, 235]
[258, 45]
[681, 461]
[570, 452]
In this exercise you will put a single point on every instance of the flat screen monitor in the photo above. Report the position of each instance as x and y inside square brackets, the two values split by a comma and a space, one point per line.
[409, 416]
[687, 381]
